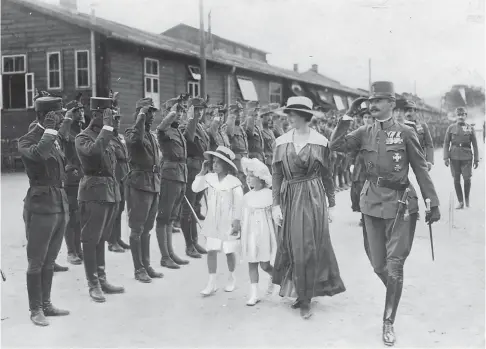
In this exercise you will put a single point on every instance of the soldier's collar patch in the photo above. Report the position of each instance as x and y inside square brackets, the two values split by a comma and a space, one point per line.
[394, 137]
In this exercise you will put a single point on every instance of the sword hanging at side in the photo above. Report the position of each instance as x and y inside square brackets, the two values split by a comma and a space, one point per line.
[193, 212]
[427, 211]
[401, 205]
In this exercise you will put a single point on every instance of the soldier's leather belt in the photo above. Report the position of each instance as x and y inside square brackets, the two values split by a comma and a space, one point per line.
[98, 174]
[47, 183]
[153, 169]
[386, 183]
[463, 145]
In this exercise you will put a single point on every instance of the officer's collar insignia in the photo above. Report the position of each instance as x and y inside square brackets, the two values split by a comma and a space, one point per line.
[394, 137]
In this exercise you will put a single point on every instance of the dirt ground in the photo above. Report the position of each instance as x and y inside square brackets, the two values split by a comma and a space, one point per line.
[442, 303]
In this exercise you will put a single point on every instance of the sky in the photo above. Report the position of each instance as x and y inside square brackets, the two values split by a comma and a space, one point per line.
[429, 45]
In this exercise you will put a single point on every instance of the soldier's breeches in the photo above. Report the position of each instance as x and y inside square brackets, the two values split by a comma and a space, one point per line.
[73, 231]
[44, 234]
[461, 167]
[116, 232]
[188, 223]
[97, 220]
[141, 209]
[170, 202]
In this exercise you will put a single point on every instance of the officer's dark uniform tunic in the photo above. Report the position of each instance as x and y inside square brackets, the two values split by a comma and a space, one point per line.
[425, 140]
[387, 148]
[268, 136]
[45, 208]
[195, 157]
[255, 140]
[457, 147]
[121, 170]
[142, 190]
[74, 173]
[239, 145]
[99, 197]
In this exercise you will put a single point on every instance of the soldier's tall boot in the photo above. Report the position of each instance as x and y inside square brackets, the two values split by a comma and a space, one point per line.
[194, 236]
[170, 249]
[34, 290]
[49, 309]
[145, 239]
[90, 268]
[393, 293]
[467, 190]
[100, 260]
[166, 261]
[186, 230]
[460, 197]
[140, 272]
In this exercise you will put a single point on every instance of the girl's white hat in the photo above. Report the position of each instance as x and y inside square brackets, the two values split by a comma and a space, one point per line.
[258, 169]
[224, 154]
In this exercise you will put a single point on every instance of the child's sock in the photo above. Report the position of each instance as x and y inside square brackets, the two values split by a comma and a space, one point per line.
[253, 295]
[230, 287]
[210, 288]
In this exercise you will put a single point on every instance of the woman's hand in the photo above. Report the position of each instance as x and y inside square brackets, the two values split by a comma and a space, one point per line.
[277, 215]
[235, 227]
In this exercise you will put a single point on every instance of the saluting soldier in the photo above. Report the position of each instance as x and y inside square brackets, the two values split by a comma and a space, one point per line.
[99, 194]
[458, 154]
[142, 187]
[388, 148]
[74, 173]
[268, 132]
[196, 146]
[46, 204]
[217, 130]
[172, 142]
[254, 132]
[238, 139]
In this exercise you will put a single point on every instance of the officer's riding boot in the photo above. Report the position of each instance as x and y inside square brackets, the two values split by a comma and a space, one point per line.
[100, 259]
[166, 261]
[170, 249]
[467, 190]
[194, 237]
[393, 294]
[77, 243]
[123, 244]
[198, 206]
[145, 240]
[458, 188]
[140, 272]
[186, 230]
[90, 267]
[34, 289]
[59, 268]
[49, 309]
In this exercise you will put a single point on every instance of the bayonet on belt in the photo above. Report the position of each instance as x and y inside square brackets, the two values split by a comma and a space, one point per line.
[402, 204]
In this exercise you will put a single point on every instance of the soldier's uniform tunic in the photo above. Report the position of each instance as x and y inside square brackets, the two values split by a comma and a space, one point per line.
[388, 148]
[268, 136]
[255, 140]
[99, 197]
[217, 138]
[239, 146]
[459, 139]
[425, 140]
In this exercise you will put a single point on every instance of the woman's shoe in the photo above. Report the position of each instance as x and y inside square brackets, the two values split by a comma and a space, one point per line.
[305, 311]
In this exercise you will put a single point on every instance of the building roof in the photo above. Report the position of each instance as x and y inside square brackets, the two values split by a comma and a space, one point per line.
[125, 33]
[328, 82]
[183, 25]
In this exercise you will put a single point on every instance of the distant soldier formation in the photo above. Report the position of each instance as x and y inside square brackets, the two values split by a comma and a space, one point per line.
[84, 173]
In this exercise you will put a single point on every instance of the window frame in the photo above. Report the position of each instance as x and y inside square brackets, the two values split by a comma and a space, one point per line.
[195, 72]
[194, 83]
[270, 94]
[76, 68]
[27, 90]
[151, 77]
[13, 56]
[240, 77]
[48, 55]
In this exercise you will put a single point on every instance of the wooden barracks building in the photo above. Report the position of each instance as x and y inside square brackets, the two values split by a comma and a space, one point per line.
[66, 52]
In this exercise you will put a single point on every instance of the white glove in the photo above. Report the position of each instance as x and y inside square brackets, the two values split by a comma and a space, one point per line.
[429, 166]
[351, 168]
[330, 213]
[277, 215]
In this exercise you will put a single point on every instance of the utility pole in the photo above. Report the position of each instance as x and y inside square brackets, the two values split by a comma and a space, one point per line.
[369, 75]
[202, 47]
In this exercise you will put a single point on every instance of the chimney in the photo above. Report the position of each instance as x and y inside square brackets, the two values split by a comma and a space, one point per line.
[315, 68]
[69, 4]
[296, 67]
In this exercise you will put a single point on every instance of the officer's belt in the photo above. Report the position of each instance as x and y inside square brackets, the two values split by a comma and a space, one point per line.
[97, 174]
[386, 183]
[180, 161]
[462, 145]
[153, 169]
[47, 183]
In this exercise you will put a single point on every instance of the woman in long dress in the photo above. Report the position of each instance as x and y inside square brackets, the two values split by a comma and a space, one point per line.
[305, 264]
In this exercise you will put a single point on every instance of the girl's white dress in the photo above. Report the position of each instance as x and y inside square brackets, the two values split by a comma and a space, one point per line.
[224, 206]
[257, 229]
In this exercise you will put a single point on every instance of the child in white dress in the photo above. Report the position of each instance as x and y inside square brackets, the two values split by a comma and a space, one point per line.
[257, 227]
[222, 224]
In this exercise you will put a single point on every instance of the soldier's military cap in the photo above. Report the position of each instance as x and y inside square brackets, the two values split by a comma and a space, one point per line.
[235, 107]
[100, 103]
[197, 102]
[145, 102]
[410, 104]
[400, 104]
[267, 109]
[74, 105]
[461, 110]
[251, 105]
[382, 89]
[47, 104]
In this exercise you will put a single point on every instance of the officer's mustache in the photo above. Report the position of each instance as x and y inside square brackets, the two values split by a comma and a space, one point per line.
[374, 109]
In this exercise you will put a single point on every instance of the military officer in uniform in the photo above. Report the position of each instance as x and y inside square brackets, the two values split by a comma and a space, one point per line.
[46, 205]
[142, 187]
[217, 131]
[459, 139]
[423, 133]
[99, 194]
[254, 133]
[268, 132]
[172, 142]
[74, 172]
[238, 139]
[388, 148]
[196, 146]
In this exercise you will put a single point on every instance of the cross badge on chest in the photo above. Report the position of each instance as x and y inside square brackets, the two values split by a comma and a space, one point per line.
[397, 157]
[397, 168]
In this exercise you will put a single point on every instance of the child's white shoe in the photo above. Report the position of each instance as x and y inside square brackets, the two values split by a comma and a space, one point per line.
[271, 287]
[230, 287]
[253, 295]
[211, 287]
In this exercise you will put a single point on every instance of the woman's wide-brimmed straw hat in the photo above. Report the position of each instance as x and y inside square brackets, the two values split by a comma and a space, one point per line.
[258, 169]
[224, 154]
[302, 104]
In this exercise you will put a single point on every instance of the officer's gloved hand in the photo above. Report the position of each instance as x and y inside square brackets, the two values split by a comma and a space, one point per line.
[447, 162]
[433, 215]
[429, 166]
[476, 164]
[108, 117]
[50, 120]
